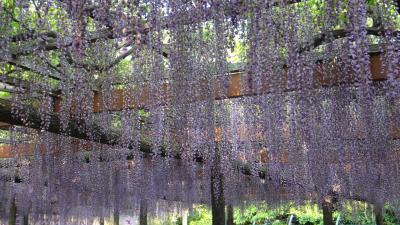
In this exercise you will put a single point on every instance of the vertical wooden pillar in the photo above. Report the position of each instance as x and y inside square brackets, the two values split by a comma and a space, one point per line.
[217, 190]
[12, 216]
[379, 211]
[116, 216]
[185, 217]
[143, 212]
[327, 213]
[229, 217]
[116, 197]
[101, 220]
[25, 216]
[25, 219]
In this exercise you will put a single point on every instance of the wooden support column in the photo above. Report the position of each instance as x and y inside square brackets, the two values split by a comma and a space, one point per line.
[229, 217]
[12, 216]
[379, 211]
[143, 212]
[327, 212]
[185, 217]
[116, 217]
[25, 219]
[25, 216]
[117, 192]
[217, 190]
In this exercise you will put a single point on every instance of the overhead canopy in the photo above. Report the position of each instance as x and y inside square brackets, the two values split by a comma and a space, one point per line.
[102, 98]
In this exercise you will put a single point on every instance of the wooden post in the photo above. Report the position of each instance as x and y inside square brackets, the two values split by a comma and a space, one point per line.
[217, 200]
[379, 211]
[143, 212]
[12, 217]
[116, 190]
[229, 219]
[185, 217]
[101, 220]
[327, 212]
[25, 219]
[116, 217]
[25, 216]
[217, 191]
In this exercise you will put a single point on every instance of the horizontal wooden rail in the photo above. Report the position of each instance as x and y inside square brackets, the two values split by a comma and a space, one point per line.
[233, 85]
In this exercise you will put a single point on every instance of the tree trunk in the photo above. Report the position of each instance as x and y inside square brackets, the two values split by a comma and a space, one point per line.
[12, 217]
[378, 211]
[143, 212]
[327, 213]
[229, 219]
[217, 191]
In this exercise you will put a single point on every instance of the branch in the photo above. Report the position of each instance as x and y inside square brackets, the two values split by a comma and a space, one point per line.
[31, 35]
[72, 62]
[14, 81]
[330, 36]
[28, 67]
[229, 9]
[15, 19]
[8, 72]
[203, 15]
[120, 58]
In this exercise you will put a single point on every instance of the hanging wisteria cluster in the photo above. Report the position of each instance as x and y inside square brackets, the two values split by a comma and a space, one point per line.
[131, 101]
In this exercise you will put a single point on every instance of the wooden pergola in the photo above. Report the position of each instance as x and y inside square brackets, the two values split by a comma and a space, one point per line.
[236, 84]
[239, 85]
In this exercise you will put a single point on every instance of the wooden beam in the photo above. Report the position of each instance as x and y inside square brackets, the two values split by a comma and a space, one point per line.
[239, 85]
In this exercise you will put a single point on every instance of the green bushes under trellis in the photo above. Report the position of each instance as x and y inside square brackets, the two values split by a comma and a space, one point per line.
[351, 213]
